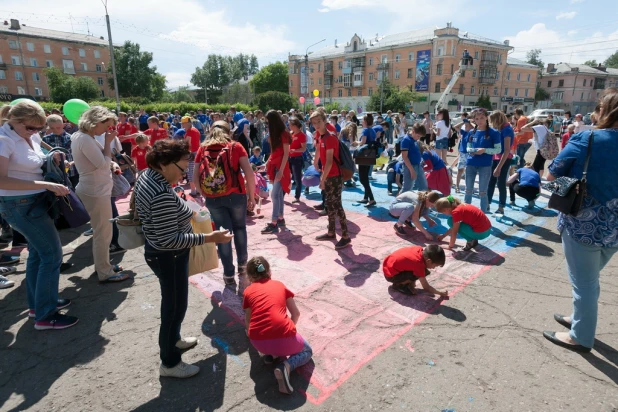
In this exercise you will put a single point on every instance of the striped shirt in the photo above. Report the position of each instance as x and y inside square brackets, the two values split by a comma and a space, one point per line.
[166, 219]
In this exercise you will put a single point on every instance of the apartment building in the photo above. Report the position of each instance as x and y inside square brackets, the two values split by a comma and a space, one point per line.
[423, 60]
[576, 87]
[26, 51]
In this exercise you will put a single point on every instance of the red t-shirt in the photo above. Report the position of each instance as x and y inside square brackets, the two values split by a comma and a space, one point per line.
[237, 152]
[158, 134]
[278, 152]
[406, 259]
[327, 142]
[140, 157]
[269, 314]
[194, 135]
[471, 215]
[565, 140]
[331, 128]
[125, 129]
[297, 142]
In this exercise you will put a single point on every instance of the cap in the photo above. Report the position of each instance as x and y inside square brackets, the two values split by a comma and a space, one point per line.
[185, 119]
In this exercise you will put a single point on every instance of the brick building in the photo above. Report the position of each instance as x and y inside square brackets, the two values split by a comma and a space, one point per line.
[26, 51]
[424, 60]
[576, 87]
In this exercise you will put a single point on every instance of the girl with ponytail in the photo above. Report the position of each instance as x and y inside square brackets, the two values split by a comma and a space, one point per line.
[466, 220]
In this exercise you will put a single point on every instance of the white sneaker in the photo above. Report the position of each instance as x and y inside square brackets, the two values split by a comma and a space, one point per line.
[187, 343]
[181, 371]
[5, 283]
[7, 270]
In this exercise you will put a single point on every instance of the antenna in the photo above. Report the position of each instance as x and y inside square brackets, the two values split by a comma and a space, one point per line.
[88, 28]
[71, 20]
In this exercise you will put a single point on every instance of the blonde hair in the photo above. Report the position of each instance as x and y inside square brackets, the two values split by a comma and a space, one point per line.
[54, 118]
[23, 111]
[217, 136]
[497, 119]
[153, 119]
[93, 116]
[141, 137]
[318, 113]
[445, 203]
[431, 195]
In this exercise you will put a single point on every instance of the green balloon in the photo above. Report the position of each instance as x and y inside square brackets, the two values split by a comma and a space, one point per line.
[21, 99]
[74, 108]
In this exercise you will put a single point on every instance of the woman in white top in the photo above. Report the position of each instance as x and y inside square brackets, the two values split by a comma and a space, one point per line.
[94, 163]
[442, 129]
[24, 202]
[541, 131]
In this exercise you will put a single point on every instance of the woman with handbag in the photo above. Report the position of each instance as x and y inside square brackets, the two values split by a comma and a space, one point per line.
[24, 205]
[166, 222]
[367, 139]
[590, 236]
[93, 162]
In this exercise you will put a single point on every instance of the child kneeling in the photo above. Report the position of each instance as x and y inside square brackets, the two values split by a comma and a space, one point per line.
[271, 331]
[466, 220]
[409, 264]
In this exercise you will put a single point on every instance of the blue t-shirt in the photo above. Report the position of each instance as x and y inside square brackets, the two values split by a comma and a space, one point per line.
[238, 116]
[528, 177]
[398, 168]
[337, 127]
[504, 133]
[255, 160]
[143, 119]
[414, 154]
[202, 118]
[435, 160]
[265, 146]
[477, 140]
[180, 134]
[370, 135]
[463, 142]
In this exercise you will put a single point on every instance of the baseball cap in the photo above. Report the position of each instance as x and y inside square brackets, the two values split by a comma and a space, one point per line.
[185, 119]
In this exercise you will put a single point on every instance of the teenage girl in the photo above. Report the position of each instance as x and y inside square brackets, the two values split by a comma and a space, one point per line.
[502, 161]
[442, 129]
[271, 331]
[414, 205]
[436, 172]
[466, 220]
[368, 136]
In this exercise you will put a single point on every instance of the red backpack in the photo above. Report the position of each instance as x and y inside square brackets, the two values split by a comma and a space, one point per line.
[217, 174]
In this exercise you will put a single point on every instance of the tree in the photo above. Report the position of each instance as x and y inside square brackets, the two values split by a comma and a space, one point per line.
[220, 71]
[182, 95]
[64, 87]
[533, 57]
[136, 77]
[394, 98]
[237, 93]
[274, 100]
[541, 94]
[591, 63]
[253, 65]
[484, 101]
[612, 61]
[273, 77]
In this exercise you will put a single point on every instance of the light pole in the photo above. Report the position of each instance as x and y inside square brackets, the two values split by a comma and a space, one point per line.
[307, 74]
[111, 52]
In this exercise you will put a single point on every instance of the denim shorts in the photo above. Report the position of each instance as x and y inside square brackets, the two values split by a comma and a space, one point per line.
[442, 144]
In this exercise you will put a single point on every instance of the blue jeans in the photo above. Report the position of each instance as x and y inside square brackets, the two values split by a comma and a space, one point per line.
[300, 358]
[584, 264]
[391, 179]
[500, 180]
[296, 165]
[230, 212]
[420, 183]
[276, 196]
[402, 210]
[29, 216]
[114, 226]
[484, 173]
[521, 152]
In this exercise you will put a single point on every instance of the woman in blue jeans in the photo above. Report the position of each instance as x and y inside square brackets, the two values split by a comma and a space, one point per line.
[227, 202]
[24, 202]
[483, 143]
[589, 239]
[502, 161]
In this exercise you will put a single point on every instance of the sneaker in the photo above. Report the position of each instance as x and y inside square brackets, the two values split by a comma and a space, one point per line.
[250, 213]
[410, 225]
[325, 236]
[404, 289]
[471, 245]
[7, 270]
[181, 371]
[319, 207]
[371, 178]
[88, 232]
[5, 283]
[306, 191]
[500, 211]
[323, 213]
[65, 266]
[184, 344]
[268, 359]
[281, 222]
[8, 260]
[371, 203]
[62, 303]
[115, 249]
[270, 228]
[229, 280]
[56, 321]
[296, 200]
[399, 229]
[531, 204]
[7, 235]
[283, 378]
[343, 243]
[513, 203]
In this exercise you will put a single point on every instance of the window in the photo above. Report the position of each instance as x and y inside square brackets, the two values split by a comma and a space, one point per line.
[439, 69]
[30, 46]
[13, 44]
[4, 89]
[21, 90]
[410, 71]
[397, 74]
[472, 90]
[100, 81]
[581, 98]
[371, 61]
[461, 89]
[82, 53]
[437, 88]
[1, 59]
[340, 93]
[340, 65]
[47, 48]
[347, 80]
[84, 67]
[516, 92]
[68, 67]
[97, 54]
[440, 51]
[411, 56]
[36, 76]
[495, 91]
[319, 67]
[528, 78]
[370, 91]
[584, 82]
[359, 92]
[98, 68]
[311, 82]
[2, 75]
[38, 91]
[319, 81]
[508, 75]
[497, 75]
[18, 76]
[473, 73]
[349, 92]
[557, 95]
[518, 76]
[384, 58]
[49, 63]
[397, 58]
[102, 93]
[452, 69]
[65, 51]
[340, 79]
[549, 83]
[560, 83]
[370, 76]
[506, 91]
[526, 93]
[476, 55]
[33, 62]
[15, 60]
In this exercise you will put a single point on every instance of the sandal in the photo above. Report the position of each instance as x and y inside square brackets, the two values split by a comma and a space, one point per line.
[116, 278]
[117, 268]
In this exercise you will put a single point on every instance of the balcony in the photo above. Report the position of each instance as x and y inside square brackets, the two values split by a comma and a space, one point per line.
[383, 66]
[488, 56]
[328, 68]
[487, 79]
[347, 70]
[69, 70]
[3, 66]
[357, 83]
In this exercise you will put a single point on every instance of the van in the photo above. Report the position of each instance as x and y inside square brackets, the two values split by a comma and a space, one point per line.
[542, 113]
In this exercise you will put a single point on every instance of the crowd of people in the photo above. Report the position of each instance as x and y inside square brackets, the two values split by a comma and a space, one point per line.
[225, 158]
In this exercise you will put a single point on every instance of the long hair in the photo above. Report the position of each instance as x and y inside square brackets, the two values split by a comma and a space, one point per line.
[445, 203]
[276, 128]
[497, 119]
[609, 108]
[350, 131]
[476, 126]
[219, 134]
[430, 195]
[445, 117]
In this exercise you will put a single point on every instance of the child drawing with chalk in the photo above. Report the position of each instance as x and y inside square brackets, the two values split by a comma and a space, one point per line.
[271, 331]
[464, 219]
[405, 266]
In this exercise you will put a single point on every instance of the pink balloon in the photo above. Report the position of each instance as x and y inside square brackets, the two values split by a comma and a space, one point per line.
[316, 100]
[301, 100]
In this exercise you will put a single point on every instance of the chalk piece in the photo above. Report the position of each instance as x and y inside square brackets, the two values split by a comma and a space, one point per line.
[214, 367]
[431, 363]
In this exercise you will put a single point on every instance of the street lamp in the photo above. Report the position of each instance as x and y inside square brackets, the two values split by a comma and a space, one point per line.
[111, 52]
[307, 73]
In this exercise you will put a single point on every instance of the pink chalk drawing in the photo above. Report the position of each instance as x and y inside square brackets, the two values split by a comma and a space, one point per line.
[409, 346]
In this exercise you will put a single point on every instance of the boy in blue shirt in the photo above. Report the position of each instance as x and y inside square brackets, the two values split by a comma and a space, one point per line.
[413, 175]
[256, 158]
[525, 183]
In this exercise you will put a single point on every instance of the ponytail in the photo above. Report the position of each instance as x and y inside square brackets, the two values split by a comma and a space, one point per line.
[448, 202]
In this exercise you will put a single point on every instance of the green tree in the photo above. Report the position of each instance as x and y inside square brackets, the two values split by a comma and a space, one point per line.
[273, 77]
[237, 93]
[136, 76]
[484, 101]
[591, 63]
[612, 61]
[533, 57]
[63, 87]
[254, 67]
[182, 95]
[540, 94]
[394, 98]
[274, 100]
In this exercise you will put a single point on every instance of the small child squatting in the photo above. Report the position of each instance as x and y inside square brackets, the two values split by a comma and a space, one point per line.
[405, 266]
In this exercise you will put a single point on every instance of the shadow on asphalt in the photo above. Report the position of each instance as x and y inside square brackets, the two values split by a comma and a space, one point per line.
[609, 369]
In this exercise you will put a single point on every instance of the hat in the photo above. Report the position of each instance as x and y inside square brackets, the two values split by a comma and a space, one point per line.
[185, 119]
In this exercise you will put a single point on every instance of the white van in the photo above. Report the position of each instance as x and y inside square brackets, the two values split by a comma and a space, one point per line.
[542, 113]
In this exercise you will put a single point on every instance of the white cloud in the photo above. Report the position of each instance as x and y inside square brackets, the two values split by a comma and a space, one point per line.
[176, 79]
[572, 32]
[568, 15]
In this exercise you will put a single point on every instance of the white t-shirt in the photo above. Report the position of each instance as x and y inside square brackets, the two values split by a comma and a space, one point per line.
[539, 136]
[95, 176]
[115, 145]
[24, 162]
[442, 130]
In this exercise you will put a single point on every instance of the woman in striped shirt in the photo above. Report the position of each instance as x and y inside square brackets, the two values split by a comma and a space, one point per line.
[166, 221]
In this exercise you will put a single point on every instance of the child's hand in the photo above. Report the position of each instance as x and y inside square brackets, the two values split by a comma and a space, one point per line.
[428, 236]
[443, 294]
[441, 237]
[451, 245]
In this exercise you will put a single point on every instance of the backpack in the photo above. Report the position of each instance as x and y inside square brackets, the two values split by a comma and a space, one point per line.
[347, 167]
[549, 149]
[222, 177]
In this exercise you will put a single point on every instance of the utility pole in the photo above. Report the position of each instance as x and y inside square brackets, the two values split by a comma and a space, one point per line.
[306, 92]
[111, 52]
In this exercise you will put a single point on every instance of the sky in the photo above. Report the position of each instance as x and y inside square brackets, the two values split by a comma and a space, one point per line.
[182, 33]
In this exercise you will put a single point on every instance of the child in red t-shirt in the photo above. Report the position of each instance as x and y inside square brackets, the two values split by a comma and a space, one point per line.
[565, 137]
[407, 265]
[271, 331]
[140, 151]
[467, 220]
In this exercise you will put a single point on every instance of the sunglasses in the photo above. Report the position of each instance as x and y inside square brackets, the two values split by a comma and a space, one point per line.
[33, 129]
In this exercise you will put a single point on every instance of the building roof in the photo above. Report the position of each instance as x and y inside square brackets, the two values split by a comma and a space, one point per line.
[511, 61]
[55, 34]
[566, 68]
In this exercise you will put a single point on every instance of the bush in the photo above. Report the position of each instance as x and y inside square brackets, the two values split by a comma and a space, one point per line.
[182, 107]
[274, 100]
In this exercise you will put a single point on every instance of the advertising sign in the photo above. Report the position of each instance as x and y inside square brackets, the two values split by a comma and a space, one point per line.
[423, 61]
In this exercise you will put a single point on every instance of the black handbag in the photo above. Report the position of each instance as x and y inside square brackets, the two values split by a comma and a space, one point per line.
[567, 193]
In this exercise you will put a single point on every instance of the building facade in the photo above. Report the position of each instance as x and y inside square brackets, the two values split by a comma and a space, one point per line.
[26, 51]
[423, 60]
[576, 87]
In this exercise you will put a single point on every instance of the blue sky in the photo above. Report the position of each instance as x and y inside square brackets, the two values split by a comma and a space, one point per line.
[181, 33]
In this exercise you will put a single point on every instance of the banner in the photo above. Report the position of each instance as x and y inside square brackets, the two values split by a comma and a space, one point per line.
[423, 62]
